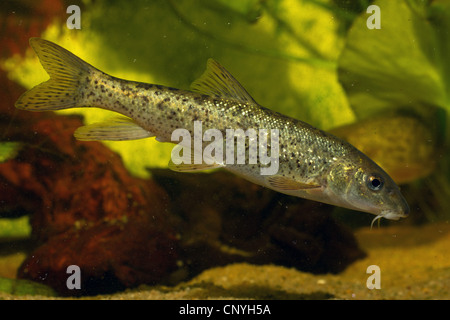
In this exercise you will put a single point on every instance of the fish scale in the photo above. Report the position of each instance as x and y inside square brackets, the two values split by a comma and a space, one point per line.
[312, 163]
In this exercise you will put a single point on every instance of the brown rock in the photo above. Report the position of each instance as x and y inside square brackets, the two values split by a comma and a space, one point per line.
[86, 209]
[226, 219]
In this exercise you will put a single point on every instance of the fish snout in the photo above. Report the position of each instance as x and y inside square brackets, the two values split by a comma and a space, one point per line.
[401, 206]
[406, 209]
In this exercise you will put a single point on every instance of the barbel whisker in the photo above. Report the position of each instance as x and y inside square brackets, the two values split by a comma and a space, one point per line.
[378, 217]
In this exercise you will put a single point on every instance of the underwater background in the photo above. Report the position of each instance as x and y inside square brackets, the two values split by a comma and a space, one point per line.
[114, 209]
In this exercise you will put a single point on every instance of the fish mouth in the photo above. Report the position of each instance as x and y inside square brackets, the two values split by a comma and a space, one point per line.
[390, 215]
[401, 211]
[394, 215]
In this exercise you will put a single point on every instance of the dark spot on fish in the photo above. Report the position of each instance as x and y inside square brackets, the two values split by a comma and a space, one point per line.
[144, 86]
[157, 93]
[160, 105]
[166, 99]
[145, 99]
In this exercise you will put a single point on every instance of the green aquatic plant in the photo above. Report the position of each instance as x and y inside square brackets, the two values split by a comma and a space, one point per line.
[271, 47]
[405, 66]
[313, 60]
[21, 287]
[9, 150]
[11, 228]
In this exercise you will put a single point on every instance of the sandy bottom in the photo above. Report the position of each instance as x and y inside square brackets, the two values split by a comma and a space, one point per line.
[414, 263]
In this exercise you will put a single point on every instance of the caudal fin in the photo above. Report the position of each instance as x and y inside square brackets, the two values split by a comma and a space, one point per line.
[67, 72]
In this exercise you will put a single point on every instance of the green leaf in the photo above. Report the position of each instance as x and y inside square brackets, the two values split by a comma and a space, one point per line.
[8, 150]
[20, 287]
[15, 227]
[248, 9]
[271, 47]
[404, 64]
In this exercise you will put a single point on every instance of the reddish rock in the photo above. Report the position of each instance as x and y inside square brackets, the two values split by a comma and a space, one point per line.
[21, 20]
[226, 219]
[86, 209]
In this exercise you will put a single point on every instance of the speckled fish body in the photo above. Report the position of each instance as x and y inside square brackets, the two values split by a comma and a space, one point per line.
[312, 164]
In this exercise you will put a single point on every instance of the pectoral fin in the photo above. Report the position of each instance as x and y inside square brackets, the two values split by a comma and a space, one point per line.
[183, 167]
[287, 184]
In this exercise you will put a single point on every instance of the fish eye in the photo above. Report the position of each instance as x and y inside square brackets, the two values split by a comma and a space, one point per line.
[375, 183]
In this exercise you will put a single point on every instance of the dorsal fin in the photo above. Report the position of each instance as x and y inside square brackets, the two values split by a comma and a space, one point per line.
[217, 82]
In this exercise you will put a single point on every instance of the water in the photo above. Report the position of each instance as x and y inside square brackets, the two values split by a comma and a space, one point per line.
[84, 218]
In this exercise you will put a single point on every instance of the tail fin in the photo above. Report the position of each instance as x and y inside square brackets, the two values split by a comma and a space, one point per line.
[66, 72]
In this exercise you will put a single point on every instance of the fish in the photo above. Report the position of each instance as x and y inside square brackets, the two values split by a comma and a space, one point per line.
[311, 163]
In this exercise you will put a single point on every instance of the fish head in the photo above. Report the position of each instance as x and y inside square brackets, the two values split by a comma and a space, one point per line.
[362, 185]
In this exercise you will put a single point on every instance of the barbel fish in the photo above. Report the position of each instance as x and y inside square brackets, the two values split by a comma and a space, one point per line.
[312, 163]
